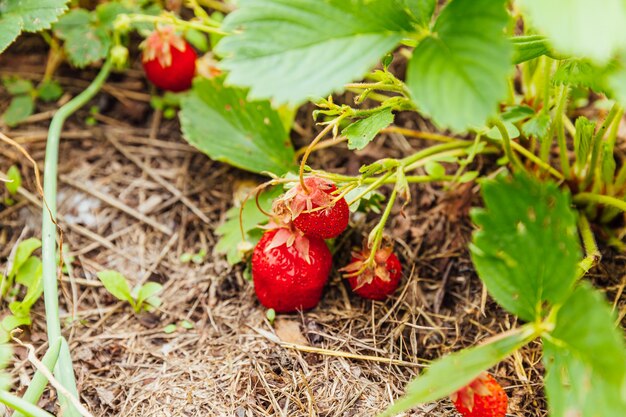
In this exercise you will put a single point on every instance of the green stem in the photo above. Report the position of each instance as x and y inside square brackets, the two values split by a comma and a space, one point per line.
[22, 406]
[560, 132]
[592, 252]
[39, 381]
[591, 198]
[597, 139]
[506, 140]
[433, 150]
[173, 20]
[380, 227]
[49, 231]
[531, 156]
[547, 69]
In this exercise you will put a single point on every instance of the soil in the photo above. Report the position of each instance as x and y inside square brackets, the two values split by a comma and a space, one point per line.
[355, 356]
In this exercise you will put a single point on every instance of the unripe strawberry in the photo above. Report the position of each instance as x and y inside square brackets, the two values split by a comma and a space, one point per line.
[314, 211]
[483, 397]
[168, 60]
[378, 280]
[290, 270]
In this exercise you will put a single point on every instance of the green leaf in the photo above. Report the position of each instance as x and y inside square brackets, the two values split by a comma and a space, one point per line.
[117, 285]
[32, 277]
[580, 27]
[362, 132]
[16, 86]
[49, 91]
[10, 29]
[582, 140]
[529, 47]
[148, 291]
[537, 126]
[435, 169]
[527, 248]
[229, 232]
[28, 273]
[291, 50]
[24, 250]
[585, 359]
[107, 12]
[451, 373]
[20, 108]
[511, 130]
[186, 324]
[5, 357]
[198, 39]
[583, 73]
[514, 114]
[14, 175]
[221, 123]
[85, 41]
[27, 15]
[422, 10]
[170, 328]
[10, 323]
[459, 74]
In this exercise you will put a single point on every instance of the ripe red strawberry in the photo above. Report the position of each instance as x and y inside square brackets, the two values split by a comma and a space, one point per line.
[379, 280]
[328, 221]
[290, 270]
[484, 397]
[168, 60]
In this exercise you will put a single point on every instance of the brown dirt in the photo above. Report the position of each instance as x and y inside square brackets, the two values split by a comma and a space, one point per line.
[232, 362]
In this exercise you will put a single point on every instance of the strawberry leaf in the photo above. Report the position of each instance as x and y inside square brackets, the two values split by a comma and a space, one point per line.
[453, 372]
[229, 232]
[581, 27]
[220, 122]
[291, 50]
[363, 131]
[527, 249]
[422, 10]
[585, 359]
[458, 74]
[27, 15]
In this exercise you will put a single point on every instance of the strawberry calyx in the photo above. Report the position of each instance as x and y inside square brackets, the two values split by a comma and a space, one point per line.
[287, 234]
[369, 270]
[467, 394]
[296, 201]
[159, 43]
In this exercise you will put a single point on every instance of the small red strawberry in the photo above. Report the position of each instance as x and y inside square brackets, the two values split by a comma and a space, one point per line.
[377, 281]
[483, 397]
[315, 213]
[290, 270]
[168, 60]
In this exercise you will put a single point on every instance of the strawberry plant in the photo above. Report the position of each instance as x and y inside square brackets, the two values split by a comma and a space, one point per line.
[499, 78]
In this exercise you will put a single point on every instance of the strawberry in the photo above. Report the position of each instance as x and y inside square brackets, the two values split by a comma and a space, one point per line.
[315, 213]
[289, 269]
[483, 397]
[377, 281]
[168, 60]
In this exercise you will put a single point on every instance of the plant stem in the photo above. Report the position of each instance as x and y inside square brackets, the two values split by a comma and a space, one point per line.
[22, 406]
[506, 140]
[418, 134]
[49, 231]
[560, 132]
[534, 158]
[432, 150]
[592, 252]
[38, 383]
[595, 143]
[173, 20]
[311, 146]
[587, 198]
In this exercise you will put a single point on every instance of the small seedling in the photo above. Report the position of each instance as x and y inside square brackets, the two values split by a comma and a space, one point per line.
[141, 298]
